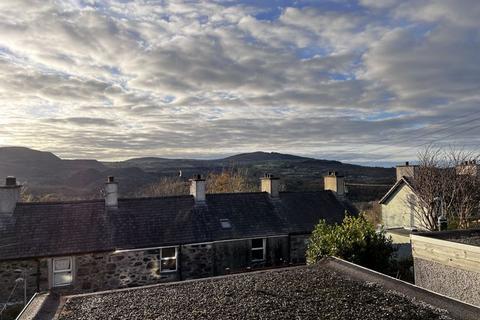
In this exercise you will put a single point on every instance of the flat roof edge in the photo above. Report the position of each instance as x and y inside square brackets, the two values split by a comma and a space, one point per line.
[42, 305]
[456, 308]
[446, 233]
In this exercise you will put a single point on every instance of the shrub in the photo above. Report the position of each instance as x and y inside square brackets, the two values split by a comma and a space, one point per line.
[355, 240]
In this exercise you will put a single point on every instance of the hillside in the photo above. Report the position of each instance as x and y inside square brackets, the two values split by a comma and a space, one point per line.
[44, 172]
[263, 156]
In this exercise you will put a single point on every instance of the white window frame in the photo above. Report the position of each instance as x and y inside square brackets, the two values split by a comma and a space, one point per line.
[54, 272]
[263, 248]
[169, 258]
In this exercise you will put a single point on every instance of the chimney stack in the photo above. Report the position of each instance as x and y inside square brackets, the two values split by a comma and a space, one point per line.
[469, 167]
[9, 195]
[406, 170]
[271, 185]
[111, 193]
[335, 182]
[197, 189]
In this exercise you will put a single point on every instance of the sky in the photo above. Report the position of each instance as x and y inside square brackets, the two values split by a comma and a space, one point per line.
[365, 81]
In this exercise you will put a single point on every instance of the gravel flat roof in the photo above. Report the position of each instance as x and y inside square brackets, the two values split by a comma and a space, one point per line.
[473, 240]
[468, 236]
[309, 292]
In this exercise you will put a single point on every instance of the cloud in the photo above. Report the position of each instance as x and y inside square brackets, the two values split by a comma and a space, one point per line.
[116, 79]
[83, 121]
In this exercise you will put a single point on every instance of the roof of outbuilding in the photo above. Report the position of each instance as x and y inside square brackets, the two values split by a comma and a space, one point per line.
[468, 236]
[50, 229]
[332, 289]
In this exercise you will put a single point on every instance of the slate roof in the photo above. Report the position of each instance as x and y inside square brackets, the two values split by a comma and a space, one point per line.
[50, 229]
[332, 289]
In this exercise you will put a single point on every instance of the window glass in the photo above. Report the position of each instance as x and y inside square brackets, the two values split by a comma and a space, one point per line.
[225, 223]
[62, 278]
[258, 249]
[62, 271]
[257, 254]
[62, 264]
[168, 252]
[257, 243]
[169, 265]
[168, 260]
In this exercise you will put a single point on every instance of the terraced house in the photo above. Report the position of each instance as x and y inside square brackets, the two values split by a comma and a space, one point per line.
[84, 246]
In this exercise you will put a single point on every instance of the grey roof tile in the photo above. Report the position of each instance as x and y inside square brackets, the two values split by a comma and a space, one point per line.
[49, 229]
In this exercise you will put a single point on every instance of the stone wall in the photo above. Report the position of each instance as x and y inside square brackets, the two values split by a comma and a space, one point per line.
[277, 252]
[452, 282]
[196, 261]
[298, 248]
[103, 271]
[92, 272]
[107, 270]
[236, 256]
[231, 256]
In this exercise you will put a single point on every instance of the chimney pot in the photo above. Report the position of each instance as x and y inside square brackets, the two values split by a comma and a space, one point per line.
[271, 185]
[406, 170]
[9, 195]
[336, 183]
[198, 189]
[111, 193]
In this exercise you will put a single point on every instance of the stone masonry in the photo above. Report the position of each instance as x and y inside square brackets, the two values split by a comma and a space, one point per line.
[113, 270]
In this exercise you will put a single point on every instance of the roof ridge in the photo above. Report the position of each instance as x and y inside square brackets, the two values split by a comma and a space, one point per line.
[153, 197]
[230, 193]
[307, 191]
[36, 203]
[54, 202]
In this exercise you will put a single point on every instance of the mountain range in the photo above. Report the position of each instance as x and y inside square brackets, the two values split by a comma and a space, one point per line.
[45, 173]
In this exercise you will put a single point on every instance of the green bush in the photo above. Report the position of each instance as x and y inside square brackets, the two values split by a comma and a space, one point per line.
[355, 240]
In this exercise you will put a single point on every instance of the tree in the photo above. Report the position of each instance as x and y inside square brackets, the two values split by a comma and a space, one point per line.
[25, 194]
[226, 181]
[230, 180]
[445, 181]
[355, 240]
[166, 186]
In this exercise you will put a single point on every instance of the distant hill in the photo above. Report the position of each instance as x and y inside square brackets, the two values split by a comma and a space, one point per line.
[26, 155]
[259, 156]
[44, 172]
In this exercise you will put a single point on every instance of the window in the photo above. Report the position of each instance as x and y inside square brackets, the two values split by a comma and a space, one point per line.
[258, 249]
[225, 223]
[62, 270]
[168, 259]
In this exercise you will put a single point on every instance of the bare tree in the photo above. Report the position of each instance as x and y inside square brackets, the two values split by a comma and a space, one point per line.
[25, 194]
[166, 186]
[445, 181]
[230, 180]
